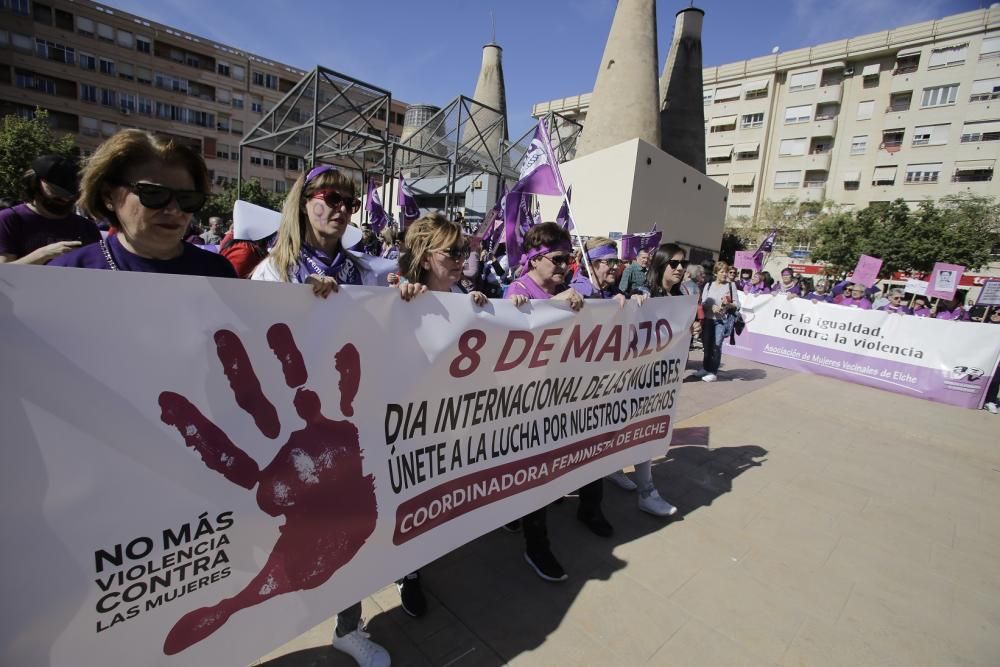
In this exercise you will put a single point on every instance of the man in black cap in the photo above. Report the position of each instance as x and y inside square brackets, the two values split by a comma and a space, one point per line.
[45, 227]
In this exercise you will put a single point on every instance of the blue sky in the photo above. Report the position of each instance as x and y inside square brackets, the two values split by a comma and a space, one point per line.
[429, 50]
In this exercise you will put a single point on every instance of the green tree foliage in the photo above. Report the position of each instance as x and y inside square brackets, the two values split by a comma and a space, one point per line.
[221, 204]
[21, 141]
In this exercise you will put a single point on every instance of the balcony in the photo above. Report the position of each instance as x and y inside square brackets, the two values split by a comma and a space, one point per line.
[819, 160]
[823, 126]
[833, 92]
[813, 191]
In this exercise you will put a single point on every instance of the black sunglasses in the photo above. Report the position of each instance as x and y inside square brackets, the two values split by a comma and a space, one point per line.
[334, 200]
[457, 252]
[561, 260]
[674, 263]
[157, 197]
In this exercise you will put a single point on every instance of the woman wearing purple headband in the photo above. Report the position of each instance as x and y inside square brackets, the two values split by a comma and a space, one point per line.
[545, 260]
[602, 254]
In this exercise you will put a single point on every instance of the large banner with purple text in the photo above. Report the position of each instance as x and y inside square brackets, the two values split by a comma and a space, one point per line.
[197, 470]
[939, 360]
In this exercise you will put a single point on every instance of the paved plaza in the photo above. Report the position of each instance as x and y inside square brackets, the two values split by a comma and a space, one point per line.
[824, 523]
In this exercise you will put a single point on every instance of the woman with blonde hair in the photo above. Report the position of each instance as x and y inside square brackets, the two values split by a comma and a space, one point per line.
[435, 254]
[147, 188]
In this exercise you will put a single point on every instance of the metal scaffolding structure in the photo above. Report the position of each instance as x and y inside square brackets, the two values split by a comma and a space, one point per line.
[564, 132]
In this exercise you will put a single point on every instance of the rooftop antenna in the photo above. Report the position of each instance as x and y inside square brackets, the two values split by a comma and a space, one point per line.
[493, 22]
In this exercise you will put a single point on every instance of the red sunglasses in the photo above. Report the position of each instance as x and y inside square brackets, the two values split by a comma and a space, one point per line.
[334, 200]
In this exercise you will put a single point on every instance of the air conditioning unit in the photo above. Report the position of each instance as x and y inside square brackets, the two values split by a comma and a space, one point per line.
[848, 71]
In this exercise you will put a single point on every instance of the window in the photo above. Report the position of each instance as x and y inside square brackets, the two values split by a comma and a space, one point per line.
[268, 160]
[125, 72]
[271, 81]
[852, 179]
[257, 107]
[923, 173]
[281, 186]
[126, 39]
[969, 171]
[930, 135]
[716, 154]
[238, 73]
[88, 126]
[985, 130]
[991, 46]
[105, 33]
[257, 78]
[145, 105]
[108, 129]
[4, 38]
[742, 182]
[19, 7]
[800, 114]
[793, 146]
[293, 164]
[236, 126]
[728, 93]
[787, 179]
[32, 81]
[756, 90]
[752, 120]
[57, 52]
[722, 124]
[88, 93]
[827, 110]
[866, 109]
[870, 75]
[42, 13]
[884, 175]
[222, 151]
[905, 64]
[255, 158]
[706, 94]
[21, 42]
[748, 151]
[143, 45]
[900, 101]
[237, 100]
[167, 82]
[279, 161]
[821, 145]
[222, 68]
[108, 97]
[106, 66]
[815, 179]
[947, 56]
[222, 123]
[803, 80]
[939, 96]
[144, 75]
[84, 26]
[223, 96]
[985, 89]
[126, 102]
[892, 138]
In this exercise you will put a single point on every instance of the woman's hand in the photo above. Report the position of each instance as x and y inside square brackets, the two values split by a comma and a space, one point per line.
[717, 309]
[392, 279]
[571, 296]
[518, 299]
[479, 298]
[322, 285]
[619, 299]
[409, 290]
[639, 298]
[49, 252]
[791, 295]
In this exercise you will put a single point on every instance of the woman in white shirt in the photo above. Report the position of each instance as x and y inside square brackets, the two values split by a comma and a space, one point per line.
[721, 302]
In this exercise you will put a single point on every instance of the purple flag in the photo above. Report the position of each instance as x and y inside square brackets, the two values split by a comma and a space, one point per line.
[376, 212]
[408, 209]
[517, 221]
[632, 244]
[539, 168]
[766, 246]
[494, 218]
[563, 217]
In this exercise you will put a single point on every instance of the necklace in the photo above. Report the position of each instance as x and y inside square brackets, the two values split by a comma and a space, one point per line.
[107, 255]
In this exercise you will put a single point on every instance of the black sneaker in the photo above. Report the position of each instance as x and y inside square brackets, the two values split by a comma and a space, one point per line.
[411, 595]
[513, 527]
[597, 522]
[545, 565]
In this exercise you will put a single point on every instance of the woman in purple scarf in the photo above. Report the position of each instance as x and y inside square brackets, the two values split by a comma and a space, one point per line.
[756, 285]
[949, 309]
[545, 256]
[854, 297]
[821, 292]
[787, 285]
[919, 308]
[896, 303]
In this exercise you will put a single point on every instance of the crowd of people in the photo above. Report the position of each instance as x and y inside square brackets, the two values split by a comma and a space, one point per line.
[145, 191]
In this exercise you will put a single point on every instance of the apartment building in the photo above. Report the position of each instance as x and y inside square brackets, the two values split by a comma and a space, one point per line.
[910, 113]
[96, 70]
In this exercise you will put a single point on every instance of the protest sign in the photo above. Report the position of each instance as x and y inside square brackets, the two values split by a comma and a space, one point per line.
[914, 286]
[989, 295]
[866, 272]
[944, 280]
[198, 470]
[744, 260]
[938, 360]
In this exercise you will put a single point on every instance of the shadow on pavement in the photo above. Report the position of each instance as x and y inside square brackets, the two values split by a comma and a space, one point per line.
[485, 591]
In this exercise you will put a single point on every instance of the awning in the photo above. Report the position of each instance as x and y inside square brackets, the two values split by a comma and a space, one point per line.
[852, 176]
[870, 70]
[756, 86]
[722, 121]
[984, 86]
[744, 179]
[728, 92]
[751, 147]
[906, 53]
[719, 152]
[721, 179]
[981, 127]
[884, 173]
[974, 165]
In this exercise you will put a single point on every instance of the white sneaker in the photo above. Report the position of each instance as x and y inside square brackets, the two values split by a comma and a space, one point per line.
[702, 373]
[622, 480]
[991, 407]
[709, 377]
[651, 502]
[364, 651]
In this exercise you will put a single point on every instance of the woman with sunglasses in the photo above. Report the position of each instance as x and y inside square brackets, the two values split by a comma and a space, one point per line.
[434, 259]
[546, 251]
[757, 284]
[147, 188]
[664, 278]
[896, 304]
[316, 213]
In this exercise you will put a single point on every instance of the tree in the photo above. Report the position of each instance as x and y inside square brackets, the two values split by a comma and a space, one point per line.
[731, 242]
[221, 204]
[21, 141]
[839, 240]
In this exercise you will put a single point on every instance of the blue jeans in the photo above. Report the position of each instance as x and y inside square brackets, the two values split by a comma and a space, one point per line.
[713, 332]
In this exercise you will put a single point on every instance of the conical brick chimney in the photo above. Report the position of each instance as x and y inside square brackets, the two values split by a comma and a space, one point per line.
[682, 113]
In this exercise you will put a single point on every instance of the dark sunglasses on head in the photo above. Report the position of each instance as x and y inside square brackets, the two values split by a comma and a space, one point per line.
[157, 197]
[334, 200]
[674, 263]
[457, 252]
[562, 260]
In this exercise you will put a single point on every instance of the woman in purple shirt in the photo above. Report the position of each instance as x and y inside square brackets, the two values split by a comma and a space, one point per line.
[756, 285]
[854, 297]
[148, 188]
[949, 309]
[919, 307]
[821, 292]
[787, 285]
[896, 303]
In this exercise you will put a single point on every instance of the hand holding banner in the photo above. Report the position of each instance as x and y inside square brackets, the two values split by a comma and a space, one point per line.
[944, 280]
[866, 272]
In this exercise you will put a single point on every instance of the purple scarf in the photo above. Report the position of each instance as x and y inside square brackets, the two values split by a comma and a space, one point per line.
[341, 266]
[527, 287]
[759, 288]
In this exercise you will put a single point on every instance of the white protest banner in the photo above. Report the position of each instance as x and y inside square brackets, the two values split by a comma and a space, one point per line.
[989, 295]
[197, 470]
[938, 360]
[918, 287]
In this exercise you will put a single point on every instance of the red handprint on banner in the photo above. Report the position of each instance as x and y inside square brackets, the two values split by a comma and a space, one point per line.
[316, 480]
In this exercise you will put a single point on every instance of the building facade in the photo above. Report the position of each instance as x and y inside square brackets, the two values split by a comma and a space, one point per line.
[96, 70]
[911, 113]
